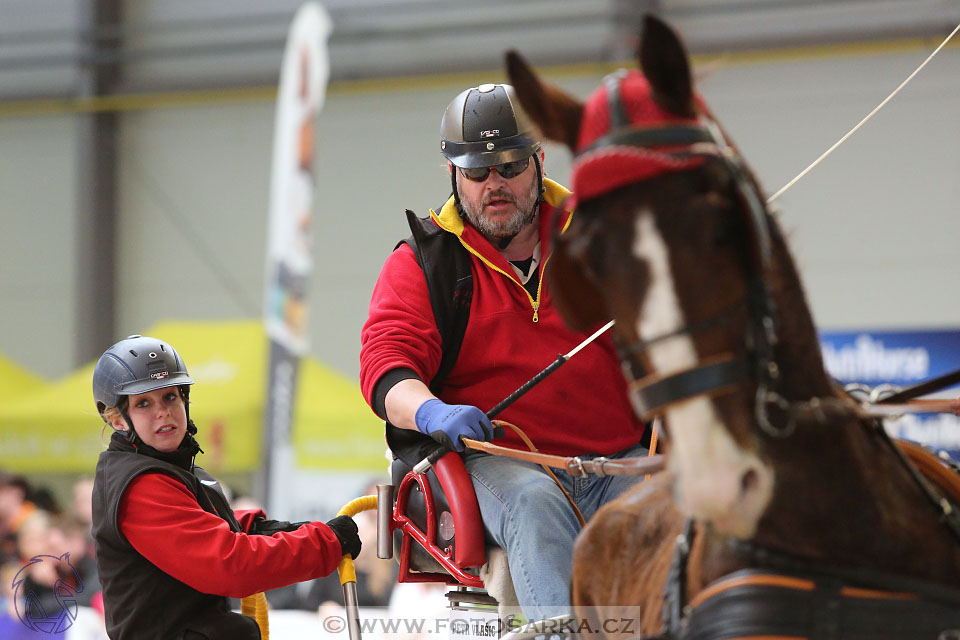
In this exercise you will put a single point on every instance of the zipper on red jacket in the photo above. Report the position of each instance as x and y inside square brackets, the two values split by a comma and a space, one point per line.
[534, 303]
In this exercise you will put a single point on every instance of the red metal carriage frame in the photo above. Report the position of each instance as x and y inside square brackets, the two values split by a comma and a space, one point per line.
[469, 550]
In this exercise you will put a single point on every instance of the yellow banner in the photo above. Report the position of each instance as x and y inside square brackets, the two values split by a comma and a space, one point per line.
[55, 428]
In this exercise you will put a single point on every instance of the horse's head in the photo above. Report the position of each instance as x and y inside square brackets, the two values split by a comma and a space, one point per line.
[671, 239]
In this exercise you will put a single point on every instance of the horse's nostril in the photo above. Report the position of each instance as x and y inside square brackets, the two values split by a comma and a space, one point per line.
[749, 480]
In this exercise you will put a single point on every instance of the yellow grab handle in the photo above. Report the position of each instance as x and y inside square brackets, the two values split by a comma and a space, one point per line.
[352, 508]
[255, 606]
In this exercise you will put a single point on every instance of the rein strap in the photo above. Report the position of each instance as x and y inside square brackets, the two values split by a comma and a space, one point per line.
[575, 465]
[884, 410]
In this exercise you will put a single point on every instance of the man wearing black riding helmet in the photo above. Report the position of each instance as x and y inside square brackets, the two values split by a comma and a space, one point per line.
[460, 318]
[499, 177]
[170, 550]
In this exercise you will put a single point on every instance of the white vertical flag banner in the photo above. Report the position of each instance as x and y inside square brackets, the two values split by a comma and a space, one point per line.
[303, 84]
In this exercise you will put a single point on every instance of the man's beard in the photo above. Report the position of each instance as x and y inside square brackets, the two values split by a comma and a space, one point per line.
[525, 208]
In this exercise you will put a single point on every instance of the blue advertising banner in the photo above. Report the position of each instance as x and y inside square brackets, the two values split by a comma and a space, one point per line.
[901, 359]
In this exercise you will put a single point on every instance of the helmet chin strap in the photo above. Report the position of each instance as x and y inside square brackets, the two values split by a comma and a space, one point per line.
[453, 186]
[130, 434]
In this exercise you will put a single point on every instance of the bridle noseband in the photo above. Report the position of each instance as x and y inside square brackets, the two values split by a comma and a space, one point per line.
[651, 394]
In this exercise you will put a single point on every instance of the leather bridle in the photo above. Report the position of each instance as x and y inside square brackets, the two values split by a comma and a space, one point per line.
[651, 394]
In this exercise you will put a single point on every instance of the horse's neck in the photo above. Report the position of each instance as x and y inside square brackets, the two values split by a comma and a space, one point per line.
[798, 350]
[842, 494]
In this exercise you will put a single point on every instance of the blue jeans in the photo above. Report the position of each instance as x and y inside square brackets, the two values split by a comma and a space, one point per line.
[526, 514]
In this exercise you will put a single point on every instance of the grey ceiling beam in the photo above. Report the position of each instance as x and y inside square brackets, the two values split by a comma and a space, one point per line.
[216, 45]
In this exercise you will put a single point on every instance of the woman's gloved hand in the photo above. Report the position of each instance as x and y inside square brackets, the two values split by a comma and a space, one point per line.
[447, 423]
[346, 531]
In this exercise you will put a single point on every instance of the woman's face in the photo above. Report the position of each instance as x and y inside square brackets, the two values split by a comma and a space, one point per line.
[159, 416]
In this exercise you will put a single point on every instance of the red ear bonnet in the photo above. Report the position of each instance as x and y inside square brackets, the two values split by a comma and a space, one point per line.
[608, 167]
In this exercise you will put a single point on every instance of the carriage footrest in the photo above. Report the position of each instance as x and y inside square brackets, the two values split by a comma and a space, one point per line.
[470, 597]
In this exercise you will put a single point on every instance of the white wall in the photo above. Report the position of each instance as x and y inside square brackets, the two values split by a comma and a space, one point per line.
[872, 227]
[36, 241]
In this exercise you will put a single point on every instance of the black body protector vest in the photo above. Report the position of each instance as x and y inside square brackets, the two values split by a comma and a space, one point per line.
[142, 602]
[446, 267]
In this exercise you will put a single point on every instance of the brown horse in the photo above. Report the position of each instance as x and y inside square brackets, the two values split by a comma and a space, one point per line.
[780, 472]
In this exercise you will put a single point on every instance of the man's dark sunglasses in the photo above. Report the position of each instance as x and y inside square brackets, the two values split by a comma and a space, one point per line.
[506, 170]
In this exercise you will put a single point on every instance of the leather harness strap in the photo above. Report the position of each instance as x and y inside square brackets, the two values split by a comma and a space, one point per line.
[935, 469]
[547, 469]
[577, 466]
[654, 393]
[883, 409]
[752, 604]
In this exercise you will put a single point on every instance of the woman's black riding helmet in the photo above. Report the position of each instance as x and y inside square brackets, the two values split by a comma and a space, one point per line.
[138, 364]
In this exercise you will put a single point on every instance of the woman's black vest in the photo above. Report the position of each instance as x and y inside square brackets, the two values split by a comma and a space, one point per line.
[141, 601]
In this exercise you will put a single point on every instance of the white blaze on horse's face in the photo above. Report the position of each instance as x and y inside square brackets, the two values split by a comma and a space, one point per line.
[708, 465]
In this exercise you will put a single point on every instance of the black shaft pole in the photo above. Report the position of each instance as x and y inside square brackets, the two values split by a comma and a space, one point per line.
[923, 388]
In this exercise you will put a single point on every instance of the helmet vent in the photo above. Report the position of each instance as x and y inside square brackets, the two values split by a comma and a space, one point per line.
[152, 354]
[135, 354]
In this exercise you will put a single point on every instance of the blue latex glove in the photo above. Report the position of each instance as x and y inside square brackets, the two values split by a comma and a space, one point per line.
[447, 423]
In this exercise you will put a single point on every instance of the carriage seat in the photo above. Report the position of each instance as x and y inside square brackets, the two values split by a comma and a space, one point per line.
[439, 534]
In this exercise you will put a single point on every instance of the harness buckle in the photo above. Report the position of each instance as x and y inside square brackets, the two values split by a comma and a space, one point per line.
[764, 400]
[598, 466]
[577, 471]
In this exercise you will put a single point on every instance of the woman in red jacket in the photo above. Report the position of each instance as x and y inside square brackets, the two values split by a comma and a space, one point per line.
[170, 550]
